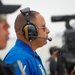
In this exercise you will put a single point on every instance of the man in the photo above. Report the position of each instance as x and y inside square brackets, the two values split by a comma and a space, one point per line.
[5, 9]
[52, 62]
[32, 33]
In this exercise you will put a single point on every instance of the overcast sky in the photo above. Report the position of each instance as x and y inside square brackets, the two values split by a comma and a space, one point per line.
[47, 8]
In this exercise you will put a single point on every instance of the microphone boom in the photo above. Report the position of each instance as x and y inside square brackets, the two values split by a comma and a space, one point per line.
[49, 39]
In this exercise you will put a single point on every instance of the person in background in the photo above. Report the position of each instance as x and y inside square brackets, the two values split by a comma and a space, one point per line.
[4, 26]
[4, 34]
[32, 33]
[54, 63]
[52, 60]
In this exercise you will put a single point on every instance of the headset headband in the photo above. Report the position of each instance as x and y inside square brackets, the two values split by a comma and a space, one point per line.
[26, 13]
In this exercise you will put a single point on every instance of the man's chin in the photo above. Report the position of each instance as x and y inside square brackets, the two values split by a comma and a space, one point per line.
[3, 46]
[45, 43]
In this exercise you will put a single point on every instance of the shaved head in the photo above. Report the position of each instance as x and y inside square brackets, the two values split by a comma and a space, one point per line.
[21, 21]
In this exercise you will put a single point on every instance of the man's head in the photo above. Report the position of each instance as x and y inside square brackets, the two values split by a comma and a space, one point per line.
[53, 50]
[5, 9]
[34, 25]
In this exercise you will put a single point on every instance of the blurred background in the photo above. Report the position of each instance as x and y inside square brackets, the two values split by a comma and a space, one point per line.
[47, 8]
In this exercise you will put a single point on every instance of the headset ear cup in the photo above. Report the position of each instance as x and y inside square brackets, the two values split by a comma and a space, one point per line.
[29, 31]
[25, 31]
[32, 31]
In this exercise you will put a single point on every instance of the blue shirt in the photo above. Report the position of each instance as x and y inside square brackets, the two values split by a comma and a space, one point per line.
[30, 60]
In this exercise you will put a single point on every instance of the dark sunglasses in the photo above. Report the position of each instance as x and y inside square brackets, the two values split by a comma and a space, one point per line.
[44, 28]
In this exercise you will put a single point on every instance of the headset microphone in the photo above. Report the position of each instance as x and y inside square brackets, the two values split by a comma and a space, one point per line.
[49, 39]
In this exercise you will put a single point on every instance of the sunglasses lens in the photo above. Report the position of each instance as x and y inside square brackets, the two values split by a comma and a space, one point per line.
[44, 28]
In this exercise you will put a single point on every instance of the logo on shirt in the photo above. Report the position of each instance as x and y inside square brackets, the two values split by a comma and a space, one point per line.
[43, 73]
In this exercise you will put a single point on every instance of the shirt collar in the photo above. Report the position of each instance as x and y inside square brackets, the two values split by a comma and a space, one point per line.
[24, 46]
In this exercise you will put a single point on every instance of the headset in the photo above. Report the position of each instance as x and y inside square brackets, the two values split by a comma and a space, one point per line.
[29, 29]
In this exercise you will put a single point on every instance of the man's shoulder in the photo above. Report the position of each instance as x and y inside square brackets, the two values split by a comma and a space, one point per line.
[18, 53]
